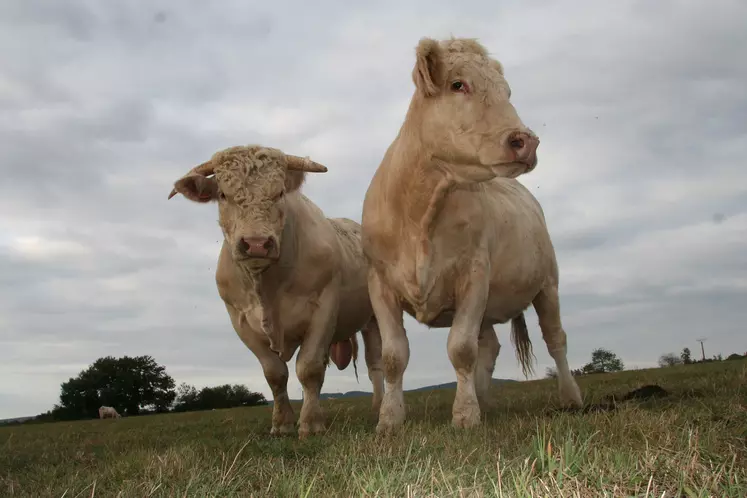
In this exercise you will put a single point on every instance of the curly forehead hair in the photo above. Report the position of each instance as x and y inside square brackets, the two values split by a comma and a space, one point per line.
[463, 45]
[459, 50]
[247, 159]
[234, 166]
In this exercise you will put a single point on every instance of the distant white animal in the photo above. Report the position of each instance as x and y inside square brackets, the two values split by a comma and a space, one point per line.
[108, 411]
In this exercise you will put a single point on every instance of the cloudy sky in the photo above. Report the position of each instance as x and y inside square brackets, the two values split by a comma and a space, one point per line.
[641, 108]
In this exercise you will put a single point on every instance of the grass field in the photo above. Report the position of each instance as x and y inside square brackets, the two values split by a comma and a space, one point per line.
[690, 443]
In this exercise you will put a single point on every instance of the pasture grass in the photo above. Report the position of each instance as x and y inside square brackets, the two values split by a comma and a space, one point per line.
[690, 443]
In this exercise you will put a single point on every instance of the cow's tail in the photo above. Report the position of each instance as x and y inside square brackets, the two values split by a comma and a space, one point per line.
[354, 344]
[522, 343]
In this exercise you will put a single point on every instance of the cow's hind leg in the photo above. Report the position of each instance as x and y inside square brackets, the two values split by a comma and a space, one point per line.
[547, 306]
[372, 343]
[488, 348]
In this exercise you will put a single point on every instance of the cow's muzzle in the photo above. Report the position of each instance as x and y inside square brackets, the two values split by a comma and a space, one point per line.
[524, 147]
[258, 247]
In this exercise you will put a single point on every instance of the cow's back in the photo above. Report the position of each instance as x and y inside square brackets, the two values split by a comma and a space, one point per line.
[349, 235]
[355, 306]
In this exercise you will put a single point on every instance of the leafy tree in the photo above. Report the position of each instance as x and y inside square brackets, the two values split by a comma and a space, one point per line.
[735, 356]
[129, 384]
[686, 356]
[603, 360]
[551, 373]
[669, 360]
[223, 396]
[186, 395]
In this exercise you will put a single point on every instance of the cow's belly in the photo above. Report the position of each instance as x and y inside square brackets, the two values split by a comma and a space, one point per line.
[511, 289]
[354, 312]
[500, 308]
[503, 306]
[515, 281]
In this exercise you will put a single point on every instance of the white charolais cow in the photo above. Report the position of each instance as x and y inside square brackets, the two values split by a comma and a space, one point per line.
[289, 276]
[108, 411]
[452, 237]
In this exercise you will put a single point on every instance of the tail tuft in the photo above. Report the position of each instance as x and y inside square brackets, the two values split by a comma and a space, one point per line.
[354, 343]
[523, 345]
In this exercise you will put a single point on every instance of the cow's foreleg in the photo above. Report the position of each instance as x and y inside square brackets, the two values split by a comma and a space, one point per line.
[462, 345]
[311, 365]
[276, 374]
[395, 351]
[275, 371]
[547, 306]
[372, 343]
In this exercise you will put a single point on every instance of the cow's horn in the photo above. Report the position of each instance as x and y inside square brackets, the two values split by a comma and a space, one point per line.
[304, 164]
[205, 169]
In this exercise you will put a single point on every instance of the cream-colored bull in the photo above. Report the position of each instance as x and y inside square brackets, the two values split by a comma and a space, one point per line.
[452, 237]
[289, 276]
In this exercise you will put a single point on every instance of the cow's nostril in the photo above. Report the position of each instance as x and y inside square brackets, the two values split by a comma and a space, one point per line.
[268, 244]
[517, 143]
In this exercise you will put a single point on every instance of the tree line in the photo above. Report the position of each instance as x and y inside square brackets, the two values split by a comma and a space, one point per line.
[605, 361]
[685, 358]
[137, 386]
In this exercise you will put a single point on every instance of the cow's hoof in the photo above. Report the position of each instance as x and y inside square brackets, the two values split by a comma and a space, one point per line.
[467, 417]
[392, 414]
[569, 392]
[306, 430]
[388, 428]
[282, 430]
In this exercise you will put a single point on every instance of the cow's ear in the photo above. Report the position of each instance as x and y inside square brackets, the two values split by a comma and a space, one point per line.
[294, 180]
[197, 188]
[428, 67]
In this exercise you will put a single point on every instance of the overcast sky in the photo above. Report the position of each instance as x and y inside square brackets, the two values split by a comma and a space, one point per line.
[641, 108]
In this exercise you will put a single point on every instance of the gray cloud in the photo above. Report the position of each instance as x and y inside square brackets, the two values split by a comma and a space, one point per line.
[641, 110]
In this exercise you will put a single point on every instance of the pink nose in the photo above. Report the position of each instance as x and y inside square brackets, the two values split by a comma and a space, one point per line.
[257, 246]
[524, 147]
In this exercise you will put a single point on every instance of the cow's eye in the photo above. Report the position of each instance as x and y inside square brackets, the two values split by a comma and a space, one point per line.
[280, 195]
[221, 196]
[459, 86]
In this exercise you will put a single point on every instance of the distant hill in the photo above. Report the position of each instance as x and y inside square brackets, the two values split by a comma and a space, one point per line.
[355, 394]
[452, 385]
[16, 420]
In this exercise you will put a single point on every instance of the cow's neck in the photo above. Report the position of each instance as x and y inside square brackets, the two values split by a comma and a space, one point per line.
[419, 185]
[421, 188]
[264, 287]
